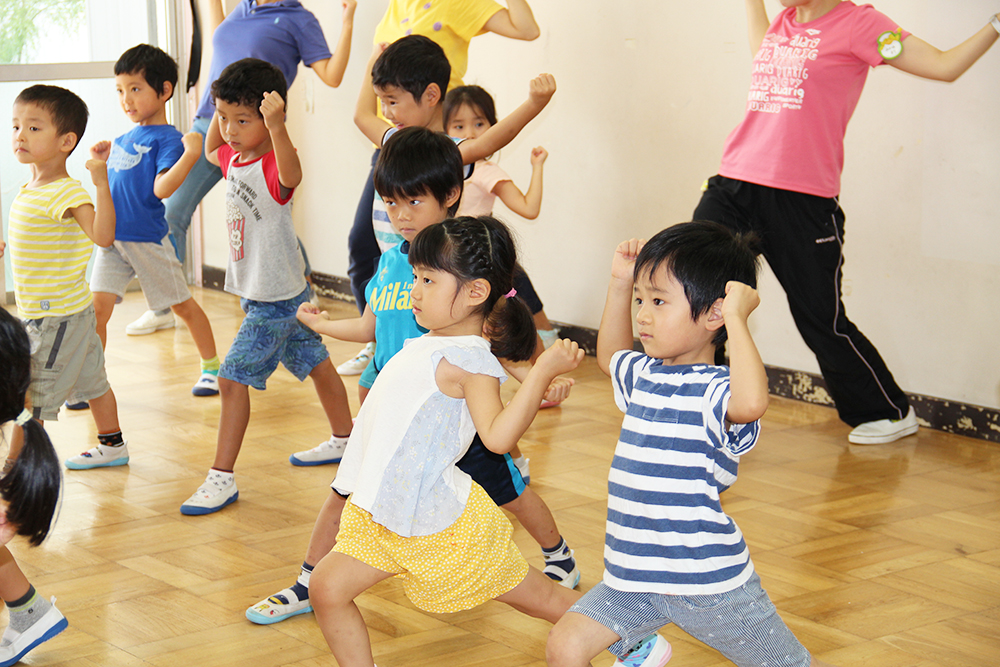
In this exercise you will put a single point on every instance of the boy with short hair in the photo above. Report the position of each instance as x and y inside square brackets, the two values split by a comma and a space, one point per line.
[53, 224]
[672, 555]
[419, 174]
[248, 140]
[145, 166]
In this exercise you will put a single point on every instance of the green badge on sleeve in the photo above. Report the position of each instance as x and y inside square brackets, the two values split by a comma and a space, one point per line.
[890, 44]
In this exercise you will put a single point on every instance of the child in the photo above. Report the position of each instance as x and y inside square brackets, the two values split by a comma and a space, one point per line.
[250, 143]
[145, 166]
[52, 226]
[30, 492]
[412, 513]
[674, 556]
[419, 173]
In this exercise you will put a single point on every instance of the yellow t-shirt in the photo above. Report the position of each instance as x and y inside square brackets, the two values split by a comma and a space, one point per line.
[49, 253]
[450, 23]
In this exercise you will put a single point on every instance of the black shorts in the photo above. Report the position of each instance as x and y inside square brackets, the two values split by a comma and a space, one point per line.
[526, 291]
[496, 473]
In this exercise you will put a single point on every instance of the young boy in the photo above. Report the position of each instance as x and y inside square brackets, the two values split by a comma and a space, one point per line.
[249, 142]
[671, 554]
[145, 166]
[419, 174]
[53, 224]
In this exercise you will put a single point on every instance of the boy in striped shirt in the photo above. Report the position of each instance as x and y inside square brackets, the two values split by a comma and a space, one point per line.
[53, 226]
[671, 554]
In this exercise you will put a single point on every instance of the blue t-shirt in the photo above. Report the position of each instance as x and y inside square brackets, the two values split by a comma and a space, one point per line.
[281, 33]
[136, 158]
[388, 295]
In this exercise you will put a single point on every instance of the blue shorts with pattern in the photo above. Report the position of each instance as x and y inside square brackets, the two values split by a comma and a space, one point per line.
[270, 334]
[742, 624]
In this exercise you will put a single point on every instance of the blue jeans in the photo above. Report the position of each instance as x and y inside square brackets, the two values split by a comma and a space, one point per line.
[180, 206]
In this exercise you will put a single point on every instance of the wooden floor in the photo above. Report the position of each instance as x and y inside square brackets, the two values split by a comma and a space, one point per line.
[885, 556]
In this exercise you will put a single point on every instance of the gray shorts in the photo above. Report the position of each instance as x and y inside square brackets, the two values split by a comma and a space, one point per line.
[155, 265]
[742, 624]
[67, 361]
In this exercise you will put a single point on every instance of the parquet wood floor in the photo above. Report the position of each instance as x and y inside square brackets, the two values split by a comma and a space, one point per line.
[885, 556]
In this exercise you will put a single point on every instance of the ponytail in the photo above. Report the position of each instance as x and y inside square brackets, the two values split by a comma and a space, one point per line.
[473, 248]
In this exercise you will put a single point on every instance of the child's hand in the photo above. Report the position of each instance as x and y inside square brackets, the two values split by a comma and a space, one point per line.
[542, 88]
[623, 264]
[273, 110]
[740, 301]
[192, 142]
[2, 246]
[101, 150]
[558, 390]
[563, 356]
[98, 171]
[348, 6]
[310, 315]
[538, 155]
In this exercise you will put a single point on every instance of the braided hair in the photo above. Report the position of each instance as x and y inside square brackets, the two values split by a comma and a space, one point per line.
[472, 248]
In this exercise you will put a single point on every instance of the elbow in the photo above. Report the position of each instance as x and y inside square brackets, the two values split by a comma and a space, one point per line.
[530, 215]
[530, 34]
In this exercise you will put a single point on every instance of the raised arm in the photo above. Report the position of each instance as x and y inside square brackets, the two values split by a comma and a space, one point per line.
[212, 14]
[331, 70]
[757, 24]
[747, 379]
[923, 60]
[365, 116]
[541, 89]
[353, 329]
[516, 22]
[615, 333]
[213, 139]
[98, 220]
[272, 108]
[525, 204]
[166, 183]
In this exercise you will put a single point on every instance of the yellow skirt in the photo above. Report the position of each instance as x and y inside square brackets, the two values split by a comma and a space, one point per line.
[471, 561]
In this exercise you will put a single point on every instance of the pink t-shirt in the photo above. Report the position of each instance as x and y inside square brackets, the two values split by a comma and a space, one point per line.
[477, 193]
[807, 78]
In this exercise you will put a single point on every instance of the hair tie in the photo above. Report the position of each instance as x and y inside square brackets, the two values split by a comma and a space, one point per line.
[23, 418]
[510, 294]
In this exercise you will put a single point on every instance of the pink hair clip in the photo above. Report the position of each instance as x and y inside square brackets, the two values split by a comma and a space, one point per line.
[511, 293]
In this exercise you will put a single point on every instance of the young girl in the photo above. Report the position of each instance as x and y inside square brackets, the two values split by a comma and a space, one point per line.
[30, 493]
[412, 513]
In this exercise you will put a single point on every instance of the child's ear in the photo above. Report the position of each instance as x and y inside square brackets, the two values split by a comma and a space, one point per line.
[479, 291]
[452, 197]
[432, 94]
[67, 142]
[715, 321]
[167, 92]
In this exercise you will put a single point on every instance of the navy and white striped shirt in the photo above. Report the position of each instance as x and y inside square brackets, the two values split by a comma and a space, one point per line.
[666, 531]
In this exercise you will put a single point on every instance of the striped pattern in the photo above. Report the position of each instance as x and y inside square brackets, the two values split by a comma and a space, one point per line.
[49, 253]
[666, 531]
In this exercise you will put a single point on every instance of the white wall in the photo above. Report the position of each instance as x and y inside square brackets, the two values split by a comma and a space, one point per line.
[648, 91]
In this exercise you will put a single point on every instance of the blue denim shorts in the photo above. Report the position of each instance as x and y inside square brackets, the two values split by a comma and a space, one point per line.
[742, 624]
[270, 334]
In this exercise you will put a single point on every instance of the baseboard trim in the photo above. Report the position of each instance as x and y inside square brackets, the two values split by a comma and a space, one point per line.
[940, 414]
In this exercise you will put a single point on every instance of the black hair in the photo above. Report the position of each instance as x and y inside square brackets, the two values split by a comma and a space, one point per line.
[703, 256]
[472, 96]
[412, 63]
[416, 161]
[245, 81]
[69, 112]
[472, 248]
[31, 487]
[156, 67]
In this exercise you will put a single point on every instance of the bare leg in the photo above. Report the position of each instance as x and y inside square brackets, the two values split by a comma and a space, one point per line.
[576, 640]
[540, 597]
[362, 393]
[13, 583]
[197, 323]
[104, 305]
[324, 534]
[535, 516]
[335, 582]
[105, 411]
[542, 321]
[232, 423]
[515, 453]
[333, 396]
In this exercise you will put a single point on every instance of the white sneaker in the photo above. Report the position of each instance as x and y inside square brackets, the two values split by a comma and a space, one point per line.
[331, 451]
[358, 364]
[207, 385]
[218, 491]
[15, 645]
[102, 456]
[884, 430]
[521, 463]
[149, 323]
[280, 606]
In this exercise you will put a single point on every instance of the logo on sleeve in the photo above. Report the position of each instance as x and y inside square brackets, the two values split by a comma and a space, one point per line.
[890, 44]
